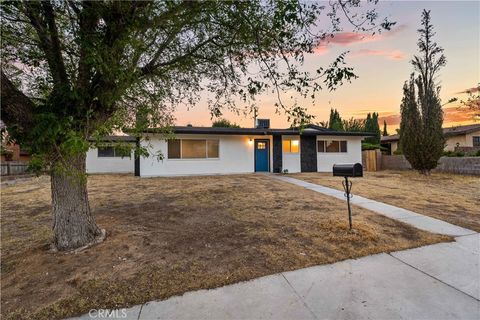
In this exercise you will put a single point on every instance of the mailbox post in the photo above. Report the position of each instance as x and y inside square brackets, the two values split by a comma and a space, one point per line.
[346, 171]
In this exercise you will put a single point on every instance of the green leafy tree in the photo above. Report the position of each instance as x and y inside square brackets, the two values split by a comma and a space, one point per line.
[224, 123]
[421, 136]
[385, 132]
[354, 125]
[76, 70]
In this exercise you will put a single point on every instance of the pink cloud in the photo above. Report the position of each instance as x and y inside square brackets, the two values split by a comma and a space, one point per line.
[344, 39]
[470, 90]
[349, 38]
[320, 49]
[389, 54]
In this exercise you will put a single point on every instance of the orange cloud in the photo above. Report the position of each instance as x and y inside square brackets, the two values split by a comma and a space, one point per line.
[451, 116]
[389, 54]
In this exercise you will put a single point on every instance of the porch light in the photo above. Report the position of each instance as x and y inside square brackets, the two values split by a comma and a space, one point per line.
[295, 146]
[250, 141]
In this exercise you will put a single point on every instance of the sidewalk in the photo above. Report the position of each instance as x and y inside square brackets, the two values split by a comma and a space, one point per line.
[440, 281]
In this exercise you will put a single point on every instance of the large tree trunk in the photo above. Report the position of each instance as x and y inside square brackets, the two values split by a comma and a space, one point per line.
[74, 226]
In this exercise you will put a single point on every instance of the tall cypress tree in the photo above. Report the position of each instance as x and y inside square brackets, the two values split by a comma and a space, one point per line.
[385, 132]
[376, 127]
[335, 122]
[371, 126]
[421, 137]
[410, 139]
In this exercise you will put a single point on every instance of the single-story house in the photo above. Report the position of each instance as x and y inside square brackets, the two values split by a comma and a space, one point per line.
[214, 150]
[463, 137]
[108, 159]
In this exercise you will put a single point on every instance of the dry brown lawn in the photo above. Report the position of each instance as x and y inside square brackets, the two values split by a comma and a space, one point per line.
[449, 197]
[167, 236]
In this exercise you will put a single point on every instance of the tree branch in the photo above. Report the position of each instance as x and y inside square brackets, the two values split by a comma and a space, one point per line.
[49, 41]
[17, 108]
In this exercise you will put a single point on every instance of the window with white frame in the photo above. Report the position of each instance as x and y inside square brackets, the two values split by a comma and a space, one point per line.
[193, 149]
[112, 152]
[476, 141]
[291, 145]
[331, 146]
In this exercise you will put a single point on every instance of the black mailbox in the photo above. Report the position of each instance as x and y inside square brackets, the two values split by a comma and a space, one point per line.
[348, 170]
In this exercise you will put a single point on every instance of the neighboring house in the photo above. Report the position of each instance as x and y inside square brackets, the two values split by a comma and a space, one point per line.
[206, 150]
[462, 137]
[108, 159]
[13, 152]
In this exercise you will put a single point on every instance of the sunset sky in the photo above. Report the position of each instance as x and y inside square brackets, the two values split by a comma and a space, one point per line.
[382, 64]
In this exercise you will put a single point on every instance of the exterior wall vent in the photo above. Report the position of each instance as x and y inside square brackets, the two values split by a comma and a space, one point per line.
[262, 124]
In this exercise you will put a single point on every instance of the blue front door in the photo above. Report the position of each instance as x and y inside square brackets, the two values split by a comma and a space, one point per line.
[261, 156]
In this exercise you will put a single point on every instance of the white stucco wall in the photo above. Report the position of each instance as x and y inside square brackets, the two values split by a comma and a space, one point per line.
[326, 160]
[451, 142]
[236, 155]
[469, 138]
[95, 164]
[291, 161]
[394, 147]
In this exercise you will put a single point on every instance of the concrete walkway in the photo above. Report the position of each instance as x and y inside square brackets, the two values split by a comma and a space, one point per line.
[417, 220]
[440, 281]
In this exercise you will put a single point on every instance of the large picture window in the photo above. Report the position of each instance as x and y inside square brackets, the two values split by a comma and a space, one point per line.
[111, 152]
[332, 146]
[193, 149]
[291, 145]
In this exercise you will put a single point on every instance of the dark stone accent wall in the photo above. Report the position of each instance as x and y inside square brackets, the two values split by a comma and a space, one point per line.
[308, 153]
[137, 160]
[277, 153]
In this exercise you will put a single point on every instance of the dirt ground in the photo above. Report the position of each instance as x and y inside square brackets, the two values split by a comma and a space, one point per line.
[167, 236]
[449, 197]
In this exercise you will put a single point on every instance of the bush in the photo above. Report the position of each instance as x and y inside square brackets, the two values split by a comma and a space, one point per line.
[372, 146]
[397, 152]
[477, 154]
[454, 154]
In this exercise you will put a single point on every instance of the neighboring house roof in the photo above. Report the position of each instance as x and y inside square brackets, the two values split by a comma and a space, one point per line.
[308, 130]
[447, 132]
[461, 130]
[392, 138]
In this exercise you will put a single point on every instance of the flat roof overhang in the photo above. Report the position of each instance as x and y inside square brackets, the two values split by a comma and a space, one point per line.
[258, 131]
